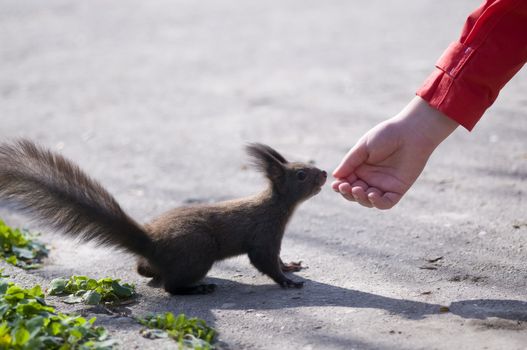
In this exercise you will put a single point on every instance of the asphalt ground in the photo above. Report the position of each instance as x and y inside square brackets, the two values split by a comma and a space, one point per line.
[156, 99]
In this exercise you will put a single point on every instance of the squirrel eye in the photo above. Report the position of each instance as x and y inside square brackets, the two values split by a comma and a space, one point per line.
[301, 175]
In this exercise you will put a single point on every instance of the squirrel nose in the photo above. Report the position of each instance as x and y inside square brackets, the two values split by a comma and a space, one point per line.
[324, 173]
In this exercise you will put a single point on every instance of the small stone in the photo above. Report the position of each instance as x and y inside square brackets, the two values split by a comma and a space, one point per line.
[444, 309]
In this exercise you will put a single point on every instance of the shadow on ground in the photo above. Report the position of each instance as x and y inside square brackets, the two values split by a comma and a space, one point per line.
[271, 297]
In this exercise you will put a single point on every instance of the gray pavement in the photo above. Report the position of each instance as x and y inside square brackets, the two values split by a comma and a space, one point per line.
[156, 100]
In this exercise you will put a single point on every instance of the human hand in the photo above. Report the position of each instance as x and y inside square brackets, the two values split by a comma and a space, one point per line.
[386, 161]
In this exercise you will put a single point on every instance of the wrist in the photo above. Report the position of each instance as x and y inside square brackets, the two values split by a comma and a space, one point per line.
[426, 123]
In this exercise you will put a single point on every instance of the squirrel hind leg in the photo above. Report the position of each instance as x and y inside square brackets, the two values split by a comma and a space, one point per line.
[173, 287]
[184, 278]
[144, 268]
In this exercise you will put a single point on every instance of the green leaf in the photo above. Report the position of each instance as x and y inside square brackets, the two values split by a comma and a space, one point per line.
[92, 291]
[91, 284]
[76, 333]
[122, 291]
[4, 284]
[72, 299]
[19, 248]
[103, 345]
[27, 323]
[188, 332]
[23, 253]
[56, 328]
[27, 266]
[21, 336]
[91, 297]
[170, 319]
[106, 280]
[57, 286]
[12, 260]
[36, 291]
[35, 324]
[35, 343]
[154, 333]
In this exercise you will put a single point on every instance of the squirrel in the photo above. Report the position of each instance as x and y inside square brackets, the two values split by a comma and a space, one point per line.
[179, 247]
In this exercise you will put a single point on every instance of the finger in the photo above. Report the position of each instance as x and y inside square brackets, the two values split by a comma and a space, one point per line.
[373, 193]
[349, 197]
[345, 190]
[360, 196]
[355, 157]
[358, 190]
[360, 183]
[350, 179]
[335, 185]
[384, 201]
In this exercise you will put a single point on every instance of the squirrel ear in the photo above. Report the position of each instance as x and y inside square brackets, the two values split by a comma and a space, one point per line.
[267, 160]
[274, 153]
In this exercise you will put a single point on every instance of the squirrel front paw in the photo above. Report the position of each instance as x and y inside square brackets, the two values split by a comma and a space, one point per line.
[291, 267]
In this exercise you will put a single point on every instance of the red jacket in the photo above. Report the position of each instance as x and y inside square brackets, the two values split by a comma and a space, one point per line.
[472, 71]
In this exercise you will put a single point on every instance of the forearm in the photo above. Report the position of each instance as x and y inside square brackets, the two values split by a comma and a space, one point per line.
[472, 71]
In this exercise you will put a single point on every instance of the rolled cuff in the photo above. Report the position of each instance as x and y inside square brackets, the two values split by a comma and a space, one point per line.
[453, 94]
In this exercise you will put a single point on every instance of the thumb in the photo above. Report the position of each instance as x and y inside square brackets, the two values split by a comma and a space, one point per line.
[357, 155]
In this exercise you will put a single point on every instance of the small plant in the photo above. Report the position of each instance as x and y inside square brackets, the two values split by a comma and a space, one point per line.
[27, 322]
[82, 289]
[19, 247]
[190, 333]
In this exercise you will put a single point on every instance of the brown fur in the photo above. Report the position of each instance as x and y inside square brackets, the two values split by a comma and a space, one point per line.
[179, 247]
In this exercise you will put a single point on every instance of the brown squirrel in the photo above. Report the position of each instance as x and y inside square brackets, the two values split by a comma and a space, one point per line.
[179, 247]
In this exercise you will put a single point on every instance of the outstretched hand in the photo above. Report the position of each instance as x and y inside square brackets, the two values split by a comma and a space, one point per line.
[386, 161]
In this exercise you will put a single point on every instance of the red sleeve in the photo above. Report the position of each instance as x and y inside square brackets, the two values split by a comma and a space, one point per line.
[472, 71]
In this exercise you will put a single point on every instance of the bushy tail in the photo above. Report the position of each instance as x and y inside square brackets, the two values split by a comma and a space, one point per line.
[60, 195]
